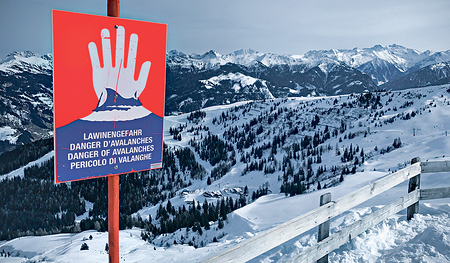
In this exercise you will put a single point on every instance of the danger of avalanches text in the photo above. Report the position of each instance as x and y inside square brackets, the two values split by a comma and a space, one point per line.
[90, 153]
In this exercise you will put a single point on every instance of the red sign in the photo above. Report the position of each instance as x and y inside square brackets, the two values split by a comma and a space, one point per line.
[109, 84]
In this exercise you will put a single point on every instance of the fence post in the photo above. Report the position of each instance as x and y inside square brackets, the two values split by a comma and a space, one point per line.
[414, 183]
[324, 228]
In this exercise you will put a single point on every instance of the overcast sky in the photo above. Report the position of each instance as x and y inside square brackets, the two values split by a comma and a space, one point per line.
[280, 27]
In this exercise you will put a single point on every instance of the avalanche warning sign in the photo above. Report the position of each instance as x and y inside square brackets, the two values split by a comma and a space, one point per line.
[109, 85]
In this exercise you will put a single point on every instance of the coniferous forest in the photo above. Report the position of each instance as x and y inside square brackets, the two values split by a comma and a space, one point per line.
[35, 205]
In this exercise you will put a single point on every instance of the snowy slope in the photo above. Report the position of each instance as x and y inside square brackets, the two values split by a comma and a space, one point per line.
[26, 96]
[424, 238]
[20, 172]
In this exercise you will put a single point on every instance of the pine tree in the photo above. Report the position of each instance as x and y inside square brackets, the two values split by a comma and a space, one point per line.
[84, 246]
[221, 224]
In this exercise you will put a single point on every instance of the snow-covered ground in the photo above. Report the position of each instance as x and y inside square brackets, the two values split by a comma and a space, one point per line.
[426, 238]
[20, 171]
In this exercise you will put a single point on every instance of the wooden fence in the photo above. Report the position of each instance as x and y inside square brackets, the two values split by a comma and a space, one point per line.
[321, 216]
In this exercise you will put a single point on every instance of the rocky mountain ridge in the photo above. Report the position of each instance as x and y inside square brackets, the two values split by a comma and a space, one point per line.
[197, 81]
[26, 107]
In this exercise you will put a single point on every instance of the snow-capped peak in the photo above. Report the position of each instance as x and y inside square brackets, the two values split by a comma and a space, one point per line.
[27, 61]
[399, 56]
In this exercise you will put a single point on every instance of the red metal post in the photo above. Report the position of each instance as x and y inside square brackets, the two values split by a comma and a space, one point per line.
[114, 8]
[113, 182]
[113, 218]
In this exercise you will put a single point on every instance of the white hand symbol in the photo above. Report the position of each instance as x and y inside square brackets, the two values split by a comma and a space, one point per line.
[117, 78]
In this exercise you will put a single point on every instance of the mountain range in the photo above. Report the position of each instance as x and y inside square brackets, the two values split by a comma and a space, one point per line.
[232, 171]
[197, 81]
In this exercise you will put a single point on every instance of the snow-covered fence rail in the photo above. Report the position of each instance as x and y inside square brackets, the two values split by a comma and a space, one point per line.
[276, 236]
